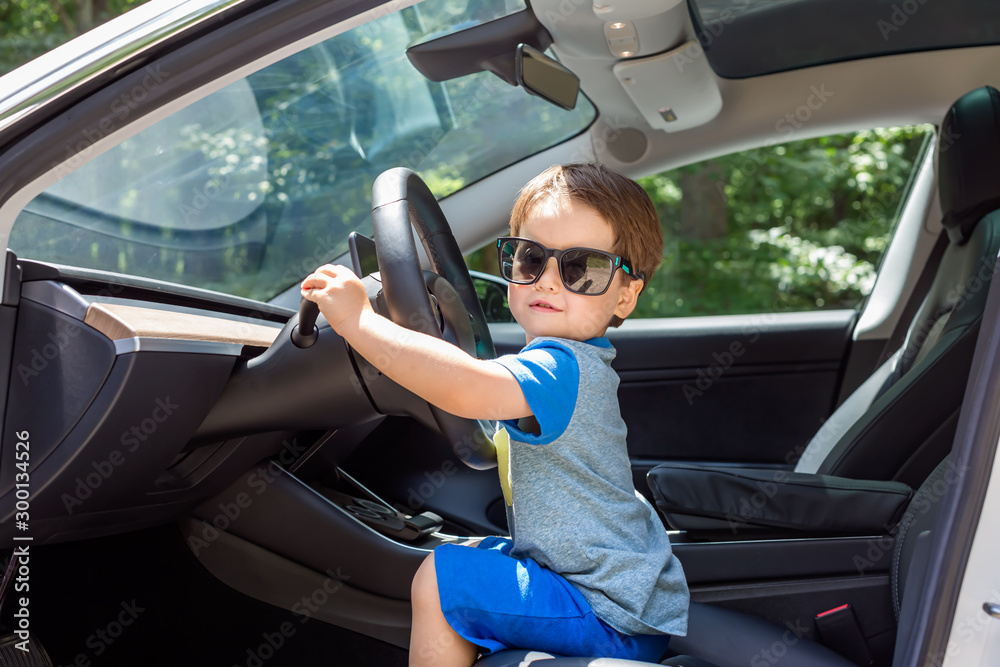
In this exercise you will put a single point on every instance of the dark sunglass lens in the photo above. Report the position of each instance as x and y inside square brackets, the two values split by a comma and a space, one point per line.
[529, 258]
[586, 272]
[574, 268]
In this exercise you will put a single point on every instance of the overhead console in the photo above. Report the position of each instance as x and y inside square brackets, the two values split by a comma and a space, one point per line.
[675, 90]
[664, 73]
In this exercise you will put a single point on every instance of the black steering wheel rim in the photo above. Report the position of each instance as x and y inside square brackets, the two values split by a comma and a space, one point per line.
[401, 201]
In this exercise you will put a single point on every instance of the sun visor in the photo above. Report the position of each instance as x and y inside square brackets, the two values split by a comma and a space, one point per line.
[675, 90]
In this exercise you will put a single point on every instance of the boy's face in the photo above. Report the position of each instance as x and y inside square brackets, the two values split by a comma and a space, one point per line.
[547, 308]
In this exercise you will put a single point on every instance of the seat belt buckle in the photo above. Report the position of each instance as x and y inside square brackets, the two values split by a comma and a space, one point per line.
[840, 631]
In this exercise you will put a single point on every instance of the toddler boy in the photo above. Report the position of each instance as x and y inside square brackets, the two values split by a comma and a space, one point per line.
[588, 569]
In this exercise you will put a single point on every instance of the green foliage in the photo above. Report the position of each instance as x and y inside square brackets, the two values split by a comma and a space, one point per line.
[32, 27]
[807, 223]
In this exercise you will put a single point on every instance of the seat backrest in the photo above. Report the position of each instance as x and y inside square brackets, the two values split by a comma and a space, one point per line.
[901, 422]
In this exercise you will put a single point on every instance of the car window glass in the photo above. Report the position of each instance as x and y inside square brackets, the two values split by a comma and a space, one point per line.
[183, 174]
[33, 27]
[792, 227]
[249, 189]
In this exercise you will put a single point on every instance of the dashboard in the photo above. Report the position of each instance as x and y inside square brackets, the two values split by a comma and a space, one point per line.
[138, 405]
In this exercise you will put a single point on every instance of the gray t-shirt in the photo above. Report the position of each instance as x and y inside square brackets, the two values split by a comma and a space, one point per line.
[574, 506]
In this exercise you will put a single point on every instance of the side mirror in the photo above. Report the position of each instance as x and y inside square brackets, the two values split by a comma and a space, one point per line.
[492, 293]
[542, 76]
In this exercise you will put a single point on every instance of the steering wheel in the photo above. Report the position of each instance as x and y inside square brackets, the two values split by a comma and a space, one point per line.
[400, 199]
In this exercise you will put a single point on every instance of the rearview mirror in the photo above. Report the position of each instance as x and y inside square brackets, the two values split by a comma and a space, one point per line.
[542, 76]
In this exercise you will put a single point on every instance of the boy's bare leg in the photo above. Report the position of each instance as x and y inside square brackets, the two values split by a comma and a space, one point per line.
[433, 643]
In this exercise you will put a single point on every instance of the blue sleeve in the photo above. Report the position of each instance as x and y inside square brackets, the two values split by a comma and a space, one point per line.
[549, 376]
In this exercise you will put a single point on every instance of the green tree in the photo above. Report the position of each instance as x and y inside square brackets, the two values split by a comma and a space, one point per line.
[791, 227]
[32, 27]
[808, 222]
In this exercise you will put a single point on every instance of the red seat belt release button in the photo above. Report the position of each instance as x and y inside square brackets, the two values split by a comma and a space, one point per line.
[841, 632]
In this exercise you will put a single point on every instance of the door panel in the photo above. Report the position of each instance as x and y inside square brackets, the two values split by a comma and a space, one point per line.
[750, 389]
[767, 384]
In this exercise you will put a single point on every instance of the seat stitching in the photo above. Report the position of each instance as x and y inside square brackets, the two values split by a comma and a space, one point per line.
[897, 557]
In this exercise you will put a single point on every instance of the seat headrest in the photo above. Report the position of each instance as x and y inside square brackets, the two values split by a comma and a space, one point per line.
[969, 161]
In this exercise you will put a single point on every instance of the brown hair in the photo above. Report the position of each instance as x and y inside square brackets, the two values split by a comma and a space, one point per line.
[620, 201]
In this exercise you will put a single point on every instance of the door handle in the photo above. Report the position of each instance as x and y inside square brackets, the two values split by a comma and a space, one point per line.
[992, 608]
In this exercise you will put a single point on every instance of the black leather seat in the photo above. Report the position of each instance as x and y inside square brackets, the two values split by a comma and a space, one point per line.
[900, 423]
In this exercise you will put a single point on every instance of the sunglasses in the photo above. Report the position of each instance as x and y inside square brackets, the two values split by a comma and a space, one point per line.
[582, 270]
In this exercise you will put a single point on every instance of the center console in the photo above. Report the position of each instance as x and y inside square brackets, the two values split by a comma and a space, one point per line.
[350, 495]
[335, 523]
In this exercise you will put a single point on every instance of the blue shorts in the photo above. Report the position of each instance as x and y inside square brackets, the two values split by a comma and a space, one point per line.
[498, 602]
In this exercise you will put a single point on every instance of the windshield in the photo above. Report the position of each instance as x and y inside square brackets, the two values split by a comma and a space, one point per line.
[249, 189]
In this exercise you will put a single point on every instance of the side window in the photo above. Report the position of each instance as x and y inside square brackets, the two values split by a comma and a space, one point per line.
[792, 227]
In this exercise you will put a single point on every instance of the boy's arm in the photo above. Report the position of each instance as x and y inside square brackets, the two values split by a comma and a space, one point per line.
[437, 371]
